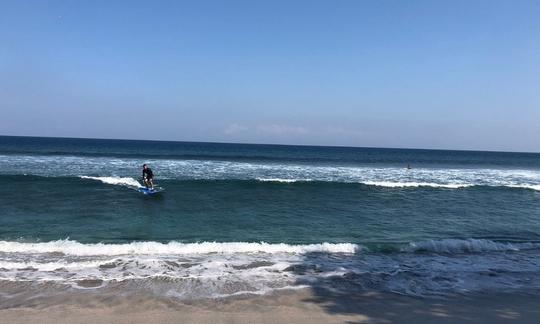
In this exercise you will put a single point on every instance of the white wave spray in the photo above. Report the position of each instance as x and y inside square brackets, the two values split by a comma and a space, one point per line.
[172, 248]
[119, 181]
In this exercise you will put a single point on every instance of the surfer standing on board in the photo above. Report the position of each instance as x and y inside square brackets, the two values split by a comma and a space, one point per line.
[148, 176]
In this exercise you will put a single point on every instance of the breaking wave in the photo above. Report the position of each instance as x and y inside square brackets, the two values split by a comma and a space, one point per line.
[454, 246]
[69, 247]
[415, 184]
[120, 171]
[216, 270]
[122, 181]
[283, 180]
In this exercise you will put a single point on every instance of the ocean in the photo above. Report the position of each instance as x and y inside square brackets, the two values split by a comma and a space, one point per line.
[241, 219]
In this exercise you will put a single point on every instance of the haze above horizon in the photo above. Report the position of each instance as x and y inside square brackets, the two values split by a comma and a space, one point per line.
[423, 74]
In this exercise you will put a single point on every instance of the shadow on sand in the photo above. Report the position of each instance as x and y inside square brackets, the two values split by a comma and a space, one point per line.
[346, 296]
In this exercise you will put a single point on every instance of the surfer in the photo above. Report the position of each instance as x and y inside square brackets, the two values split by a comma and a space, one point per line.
[148, 176]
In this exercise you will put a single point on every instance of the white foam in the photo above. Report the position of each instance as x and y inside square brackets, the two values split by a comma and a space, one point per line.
[119, 171]
[283, 180]
[51, 266]
[468, 246]
[215, 275]
[121, 181]
[208, 275]
[172, 248]
[525, 186]
[415, 184]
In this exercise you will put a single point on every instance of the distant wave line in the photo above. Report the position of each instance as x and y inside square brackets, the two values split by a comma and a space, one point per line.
[127, 181]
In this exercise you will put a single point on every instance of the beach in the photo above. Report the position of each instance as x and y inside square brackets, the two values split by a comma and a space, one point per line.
[304, 306]
[293, 162]
[266, 233]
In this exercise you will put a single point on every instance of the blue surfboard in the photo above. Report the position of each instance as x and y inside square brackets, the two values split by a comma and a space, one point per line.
[150, 191]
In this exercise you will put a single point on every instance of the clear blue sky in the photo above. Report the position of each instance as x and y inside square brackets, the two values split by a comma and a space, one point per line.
[428, 74]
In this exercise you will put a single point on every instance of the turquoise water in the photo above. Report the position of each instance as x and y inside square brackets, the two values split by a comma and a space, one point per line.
[71, 212]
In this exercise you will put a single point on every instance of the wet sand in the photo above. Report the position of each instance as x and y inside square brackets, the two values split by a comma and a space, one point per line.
[304, 306]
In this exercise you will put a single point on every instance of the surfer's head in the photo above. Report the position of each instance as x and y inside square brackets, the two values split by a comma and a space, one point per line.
[144, 166]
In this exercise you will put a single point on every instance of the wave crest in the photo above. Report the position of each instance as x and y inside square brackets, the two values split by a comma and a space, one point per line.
[282, 180]
[121, 181]
[526, 186]
[416, 184]
[172, 248]
[452, 246]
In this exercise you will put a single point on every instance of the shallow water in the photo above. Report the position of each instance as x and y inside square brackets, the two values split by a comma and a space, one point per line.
[254, 218]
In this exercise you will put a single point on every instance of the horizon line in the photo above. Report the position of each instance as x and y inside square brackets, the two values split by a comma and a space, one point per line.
[273, 144]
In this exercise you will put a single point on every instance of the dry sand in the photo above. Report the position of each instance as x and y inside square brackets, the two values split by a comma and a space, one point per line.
[305, 306]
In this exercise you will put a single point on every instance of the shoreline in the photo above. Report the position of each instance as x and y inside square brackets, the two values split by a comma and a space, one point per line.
[308, 305]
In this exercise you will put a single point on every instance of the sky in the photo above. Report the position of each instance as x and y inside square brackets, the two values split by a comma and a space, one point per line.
[407, 74]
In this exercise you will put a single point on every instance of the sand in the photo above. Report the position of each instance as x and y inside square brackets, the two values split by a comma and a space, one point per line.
[305, 306]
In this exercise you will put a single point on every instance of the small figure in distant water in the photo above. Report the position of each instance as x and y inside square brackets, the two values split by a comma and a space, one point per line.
[408, 167]
[148, 176]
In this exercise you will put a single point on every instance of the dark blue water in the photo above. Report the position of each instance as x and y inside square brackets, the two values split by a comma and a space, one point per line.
[78, 197]
[252, 152]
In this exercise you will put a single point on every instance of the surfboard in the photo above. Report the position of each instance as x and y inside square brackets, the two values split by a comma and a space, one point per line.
[152, 191]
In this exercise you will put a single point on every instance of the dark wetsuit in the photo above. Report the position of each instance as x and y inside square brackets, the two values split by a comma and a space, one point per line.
[147, 174]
